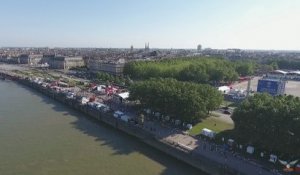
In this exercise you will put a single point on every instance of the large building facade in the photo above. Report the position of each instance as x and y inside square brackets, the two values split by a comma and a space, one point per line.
[62, 62]
[66, 62]
[30, 59]
[114, 68]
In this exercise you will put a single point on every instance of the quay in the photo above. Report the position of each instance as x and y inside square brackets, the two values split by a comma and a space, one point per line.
[179, 151]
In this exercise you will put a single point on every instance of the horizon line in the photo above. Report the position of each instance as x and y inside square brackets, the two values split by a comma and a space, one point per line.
[159, 48]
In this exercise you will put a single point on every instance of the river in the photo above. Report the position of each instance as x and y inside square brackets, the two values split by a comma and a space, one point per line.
[39, 136]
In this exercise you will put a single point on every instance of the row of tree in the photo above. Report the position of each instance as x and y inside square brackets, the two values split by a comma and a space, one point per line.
[186, 101]
[199, 70]
[284, 64]
[270, 123]
[105, 77]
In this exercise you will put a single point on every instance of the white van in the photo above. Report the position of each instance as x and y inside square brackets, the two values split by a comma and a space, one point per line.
[208, 133]
[125, 118]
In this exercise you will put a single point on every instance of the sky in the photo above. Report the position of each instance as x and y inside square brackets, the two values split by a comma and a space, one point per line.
[219, 24]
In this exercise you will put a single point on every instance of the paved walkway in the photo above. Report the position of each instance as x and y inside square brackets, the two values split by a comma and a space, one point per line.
[206, 149]
[223, 117]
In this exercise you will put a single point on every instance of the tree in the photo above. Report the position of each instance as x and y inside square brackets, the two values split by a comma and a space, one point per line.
[245, 68]
[213, 97]
[270, 123]
[197, 69]
[195, 73]
[183, 100]
[111, 78]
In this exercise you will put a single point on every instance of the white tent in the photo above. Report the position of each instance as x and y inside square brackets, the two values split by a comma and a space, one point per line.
[124, 95]
[273, 158]
[208, 133]
[224, 89]
[121, 97]
[250, 149]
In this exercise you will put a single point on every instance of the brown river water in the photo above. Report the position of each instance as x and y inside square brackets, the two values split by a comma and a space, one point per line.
[39, 136]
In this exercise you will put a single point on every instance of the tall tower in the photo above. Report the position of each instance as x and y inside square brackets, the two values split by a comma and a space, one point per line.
[131, 49]
[147, 48]
[199, 48]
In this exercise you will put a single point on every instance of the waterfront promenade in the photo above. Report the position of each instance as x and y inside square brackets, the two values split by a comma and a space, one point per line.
[224, 162]
[206, 149]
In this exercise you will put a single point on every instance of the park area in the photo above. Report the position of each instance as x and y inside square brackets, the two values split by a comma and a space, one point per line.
[214, 123]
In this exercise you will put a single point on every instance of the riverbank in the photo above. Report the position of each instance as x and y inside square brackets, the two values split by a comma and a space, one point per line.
[40, 135]
[178, 151]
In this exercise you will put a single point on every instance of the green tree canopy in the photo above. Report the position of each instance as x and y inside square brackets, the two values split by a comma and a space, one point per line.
[245, 68]
[183, 100]
[291, 64]
[271, 123]
[198, 70]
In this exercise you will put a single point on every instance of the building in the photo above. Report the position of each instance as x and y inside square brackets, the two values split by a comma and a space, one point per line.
[131, 49]
[293, 75]
[147, 47]
[30, 59]
[199, 48]
[271, 86]
[35, 59]
[62, 62]
[13, 59]
[3, 58]
[47, 58]
[277, 74]
[114, 68]
[23, 59]
[280, 74]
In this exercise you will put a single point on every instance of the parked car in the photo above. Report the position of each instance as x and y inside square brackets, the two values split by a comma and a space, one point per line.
[225, 107]
[226, 112]
[118, 114]
[189, 126]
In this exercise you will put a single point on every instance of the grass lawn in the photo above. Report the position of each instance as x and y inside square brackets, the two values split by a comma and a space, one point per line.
[230, 103]
[226, 103]
[212, 123]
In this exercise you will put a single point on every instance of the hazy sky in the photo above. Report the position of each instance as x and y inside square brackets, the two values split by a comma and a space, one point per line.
[248, 24]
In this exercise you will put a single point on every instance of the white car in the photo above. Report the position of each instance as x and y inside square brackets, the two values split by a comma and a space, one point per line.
[118, 114]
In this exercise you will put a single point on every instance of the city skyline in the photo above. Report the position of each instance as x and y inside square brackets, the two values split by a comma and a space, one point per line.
[259, 25]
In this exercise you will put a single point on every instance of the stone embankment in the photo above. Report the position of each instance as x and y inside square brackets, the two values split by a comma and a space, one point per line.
[202, 163]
